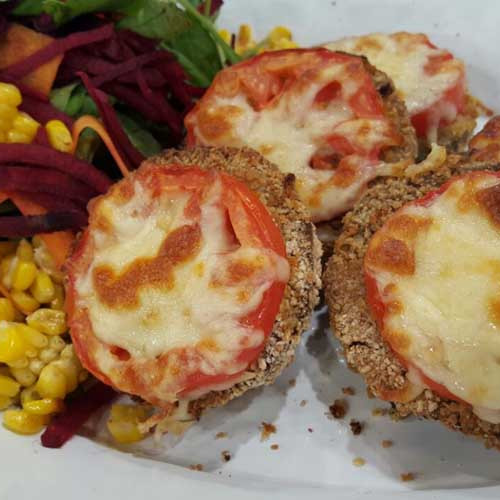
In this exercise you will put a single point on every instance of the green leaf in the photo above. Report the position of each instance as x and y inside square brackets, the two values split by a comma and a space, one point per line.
[156, 19]
[28, 8]
[63, 11]
[60, 97]
[139, 136]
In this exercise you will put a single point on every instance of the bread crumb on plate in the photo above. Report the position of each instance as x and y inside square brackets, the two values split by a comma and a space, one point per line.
[266, 430]
[356, 427]
[358, 461]
[338, 409]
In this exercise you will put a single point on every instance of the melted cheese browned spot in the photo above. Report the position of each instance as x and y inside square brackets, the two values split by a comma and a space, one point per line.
[122, 291]
[444, 317]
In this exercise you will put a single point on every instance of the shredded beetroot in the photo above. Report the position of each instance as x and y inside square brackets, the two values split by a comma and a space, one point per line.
[56, 47]
[47, 157]
[65, 425]
[127, 151]
[132, 64]
[51, 203]
[43, 111]
[134, 70]
[37, 180]
[28, 225]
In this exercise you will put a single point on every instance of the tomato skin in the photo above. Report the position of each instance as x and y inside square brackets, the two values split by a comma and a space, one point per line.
[252, 225]
[424, 121]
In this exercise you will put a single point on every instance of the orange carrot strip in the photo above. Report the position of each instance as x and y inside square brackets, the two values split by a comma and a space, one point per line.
[58, 243]
[88, 121]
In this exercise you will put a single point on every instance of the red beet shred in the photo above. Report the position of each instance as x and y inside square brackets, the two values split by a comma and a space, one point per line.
[65, 425]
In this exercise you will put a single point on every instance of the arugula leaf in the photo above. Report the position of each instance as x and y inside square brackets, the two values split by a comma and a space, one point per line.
[155, 19]
[63, 11]
[74, 100]
[28, 8]
[139, 136]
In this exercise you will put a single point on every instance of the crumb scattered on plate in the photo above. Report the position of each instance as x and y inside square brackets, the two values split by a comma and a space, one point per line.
[266, 430]
[348, 391]
[356, 427]
[292, 382]
[359, 462]
[275, 447]
[380, 412]
[386, 443]
[303, 403]
[226, 455]
[338, 409]
[310, 429]
[198, 467]
[221, 435]
[407, 476]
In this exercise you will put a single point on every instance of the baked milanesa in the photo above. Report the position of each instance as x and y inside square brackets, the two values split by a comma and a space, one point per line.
[276, 191]
[365, 350]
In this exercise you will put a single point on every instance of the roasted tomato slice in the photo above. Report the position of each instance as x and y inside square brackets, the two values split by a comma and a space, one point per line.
[431, 275]
[175, 285]
[430, 80]
[313, 112]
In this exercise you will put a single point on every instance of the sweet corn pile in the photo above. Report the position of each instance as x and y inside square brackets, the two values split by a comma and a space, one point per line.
[279, 38]
[38, 366]
[17, 126]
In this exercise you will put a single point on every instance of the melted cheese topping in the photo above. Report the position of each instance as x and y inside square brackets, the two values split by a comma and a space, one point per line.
[294, 127]
[404, 57]
[200, 306]
[441, 287]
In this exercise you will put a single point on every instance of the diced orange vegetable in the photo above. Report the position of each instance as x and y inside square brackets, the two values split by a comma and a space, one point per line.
[20, 42]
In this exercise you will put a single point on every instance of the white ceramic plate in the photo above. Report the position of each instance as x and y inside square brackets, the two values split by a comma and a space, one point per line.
[317, 464]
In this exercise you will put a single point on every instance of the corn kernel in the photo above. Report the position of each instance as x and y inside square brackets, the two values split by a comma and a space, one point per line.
[22, 422]
[59, 136]
[32, 336]
[245, 34]
[31, 353]
[15, 136]
[48, 321]
[36, 366]
[8, 386]
[7, 311]
[57, 343]
[4, 370]
[68, 352]
[12, 344]
[279, 33]
[47, 355]
[7, 247]
[225, 35]
[5, 402]
[25, 124]
[24, 274]
[10, 94]
[123, 423]
[7, 115]
[45, 406]
[29, 394]
[70, 370]
[25, 250]
[58, 301]
[19, 363]
[43, 288]
[7, 268]
[283, 44]
[24, 376]
[51, 382]
[24, 301]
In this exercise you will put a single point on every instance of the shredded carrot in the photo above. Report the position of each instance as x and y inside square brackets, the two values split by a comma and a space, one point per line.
[88, 121]
[58, 243]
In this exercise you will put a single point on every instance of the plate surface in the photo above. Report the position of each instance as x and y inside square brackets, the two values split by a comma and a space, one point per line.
[315, 454]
